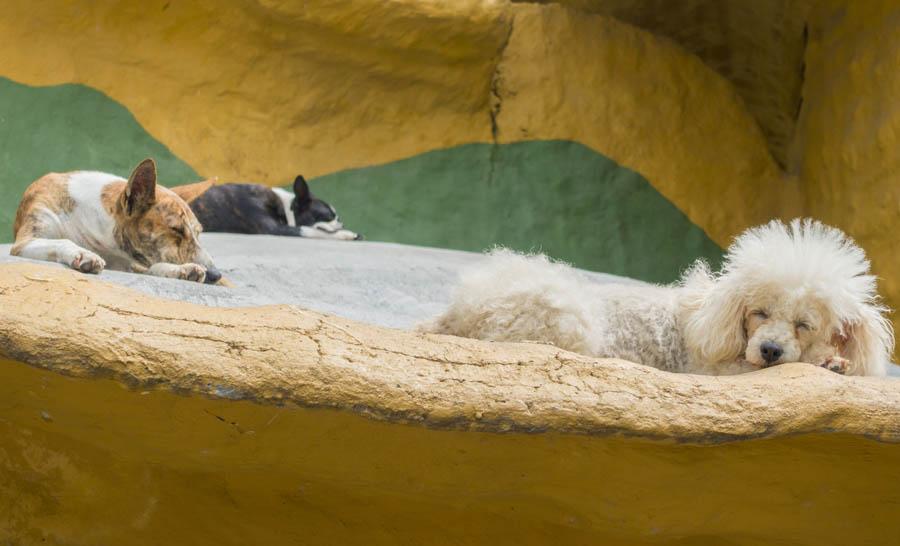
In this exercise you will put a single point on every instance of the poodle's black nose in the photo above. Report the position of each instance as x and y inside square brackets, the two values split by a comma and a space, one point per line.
[212, 275]
[771, 351]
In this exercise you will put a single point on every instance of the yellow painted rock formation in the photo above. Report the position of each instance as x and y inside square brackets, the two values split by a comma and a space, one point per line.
[135, 420]
[846, 150]
[261, 89]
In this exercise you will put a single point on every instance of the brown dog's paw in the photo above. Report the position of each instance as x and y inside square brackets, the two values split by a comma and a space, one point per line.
[836, 364]
[87, 262]
[192, 272]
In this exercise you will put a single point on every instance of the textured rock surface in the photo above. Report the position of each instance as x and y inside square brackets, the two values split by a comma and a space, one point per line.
[284, 354]
[86, 462]
[847, 140]
[626, 93]
[758, 46]
[263, 90]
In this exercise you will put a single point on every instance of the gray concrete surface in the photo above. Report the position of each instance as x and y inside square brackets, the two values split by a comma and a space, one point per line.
[380, 283]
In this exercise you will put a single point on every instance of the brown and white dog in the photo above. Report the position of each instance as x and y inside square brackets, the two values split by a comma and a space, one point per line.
[88, 220]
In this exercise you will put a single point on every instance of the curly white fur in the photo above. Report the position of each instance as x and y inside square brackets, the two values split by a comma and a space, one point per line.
[802, 289]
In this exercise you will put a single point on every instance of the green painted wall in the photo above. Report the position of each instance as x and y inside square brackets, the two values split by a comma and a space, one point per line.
[69, 127]
[558, 197]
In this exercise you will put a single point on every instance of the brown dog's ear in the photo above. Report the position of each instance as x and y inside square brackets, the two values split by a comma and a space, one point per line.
[189, 192]
[140, 192]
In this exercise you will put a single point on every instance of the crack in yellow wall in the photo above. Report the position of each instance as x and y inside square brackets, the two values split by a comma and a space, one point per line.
[259, 93]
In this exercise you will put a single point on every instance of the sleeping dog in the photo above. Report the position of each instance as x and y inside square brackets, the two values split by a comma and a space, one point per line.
[87, 220]
[258, 209]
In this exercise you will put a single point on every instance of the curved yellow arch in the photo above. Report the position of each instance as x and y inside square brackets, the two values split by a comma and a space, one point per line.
[261, 92]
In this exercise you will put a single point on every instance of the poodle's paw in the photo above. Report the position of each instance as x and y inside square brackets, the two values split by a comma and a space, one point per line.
[836, 364]
[192, 272]
[87, 262]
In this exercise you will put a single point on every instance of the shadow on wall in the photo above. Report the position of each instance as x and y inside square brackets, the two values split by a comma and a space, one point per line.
[558, 197]
[69, 127]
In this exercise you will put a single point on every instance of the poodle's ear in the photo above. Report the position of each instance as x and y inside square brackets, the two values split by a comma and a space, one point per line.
[714, 325]
[867, 342]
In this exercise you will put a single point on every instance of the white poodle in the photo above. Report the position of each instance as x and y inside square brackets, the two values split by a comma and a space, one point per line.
[801, 292]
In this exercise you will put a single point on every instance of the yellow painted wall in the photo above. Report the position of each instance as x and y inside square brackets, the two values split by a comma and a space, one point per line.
[88, 462]
[262, 91]
[758, 45]
[645, 103]
[847, 150]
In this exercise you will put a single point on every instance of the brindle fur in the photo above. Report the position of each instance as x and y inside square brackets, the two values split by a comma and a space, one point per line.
[136, 226]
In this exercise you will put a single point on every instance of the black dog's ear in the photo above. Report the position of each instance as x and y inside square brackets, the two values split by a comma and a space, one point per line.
[301, 190]
[140, 192]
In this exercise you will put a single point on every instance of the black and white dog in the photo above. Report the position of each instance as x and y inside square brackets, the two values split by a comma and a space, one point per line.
[259, 209]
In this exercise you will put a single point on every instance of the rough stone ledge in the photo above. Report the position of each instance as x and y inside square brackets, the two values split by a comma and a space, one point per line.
[77, 325]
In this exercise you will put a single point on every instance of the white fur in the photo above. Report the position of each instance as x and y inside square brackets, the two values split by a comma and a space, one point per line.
[89, 224]
[62, 251]
[320, 230]
[286, 199]
[324, 230]
[802, 273]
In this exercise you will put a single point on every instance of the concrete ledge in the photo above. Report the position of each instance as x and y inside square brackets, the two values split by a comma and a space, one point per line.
[286, 355]
[384, 284]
